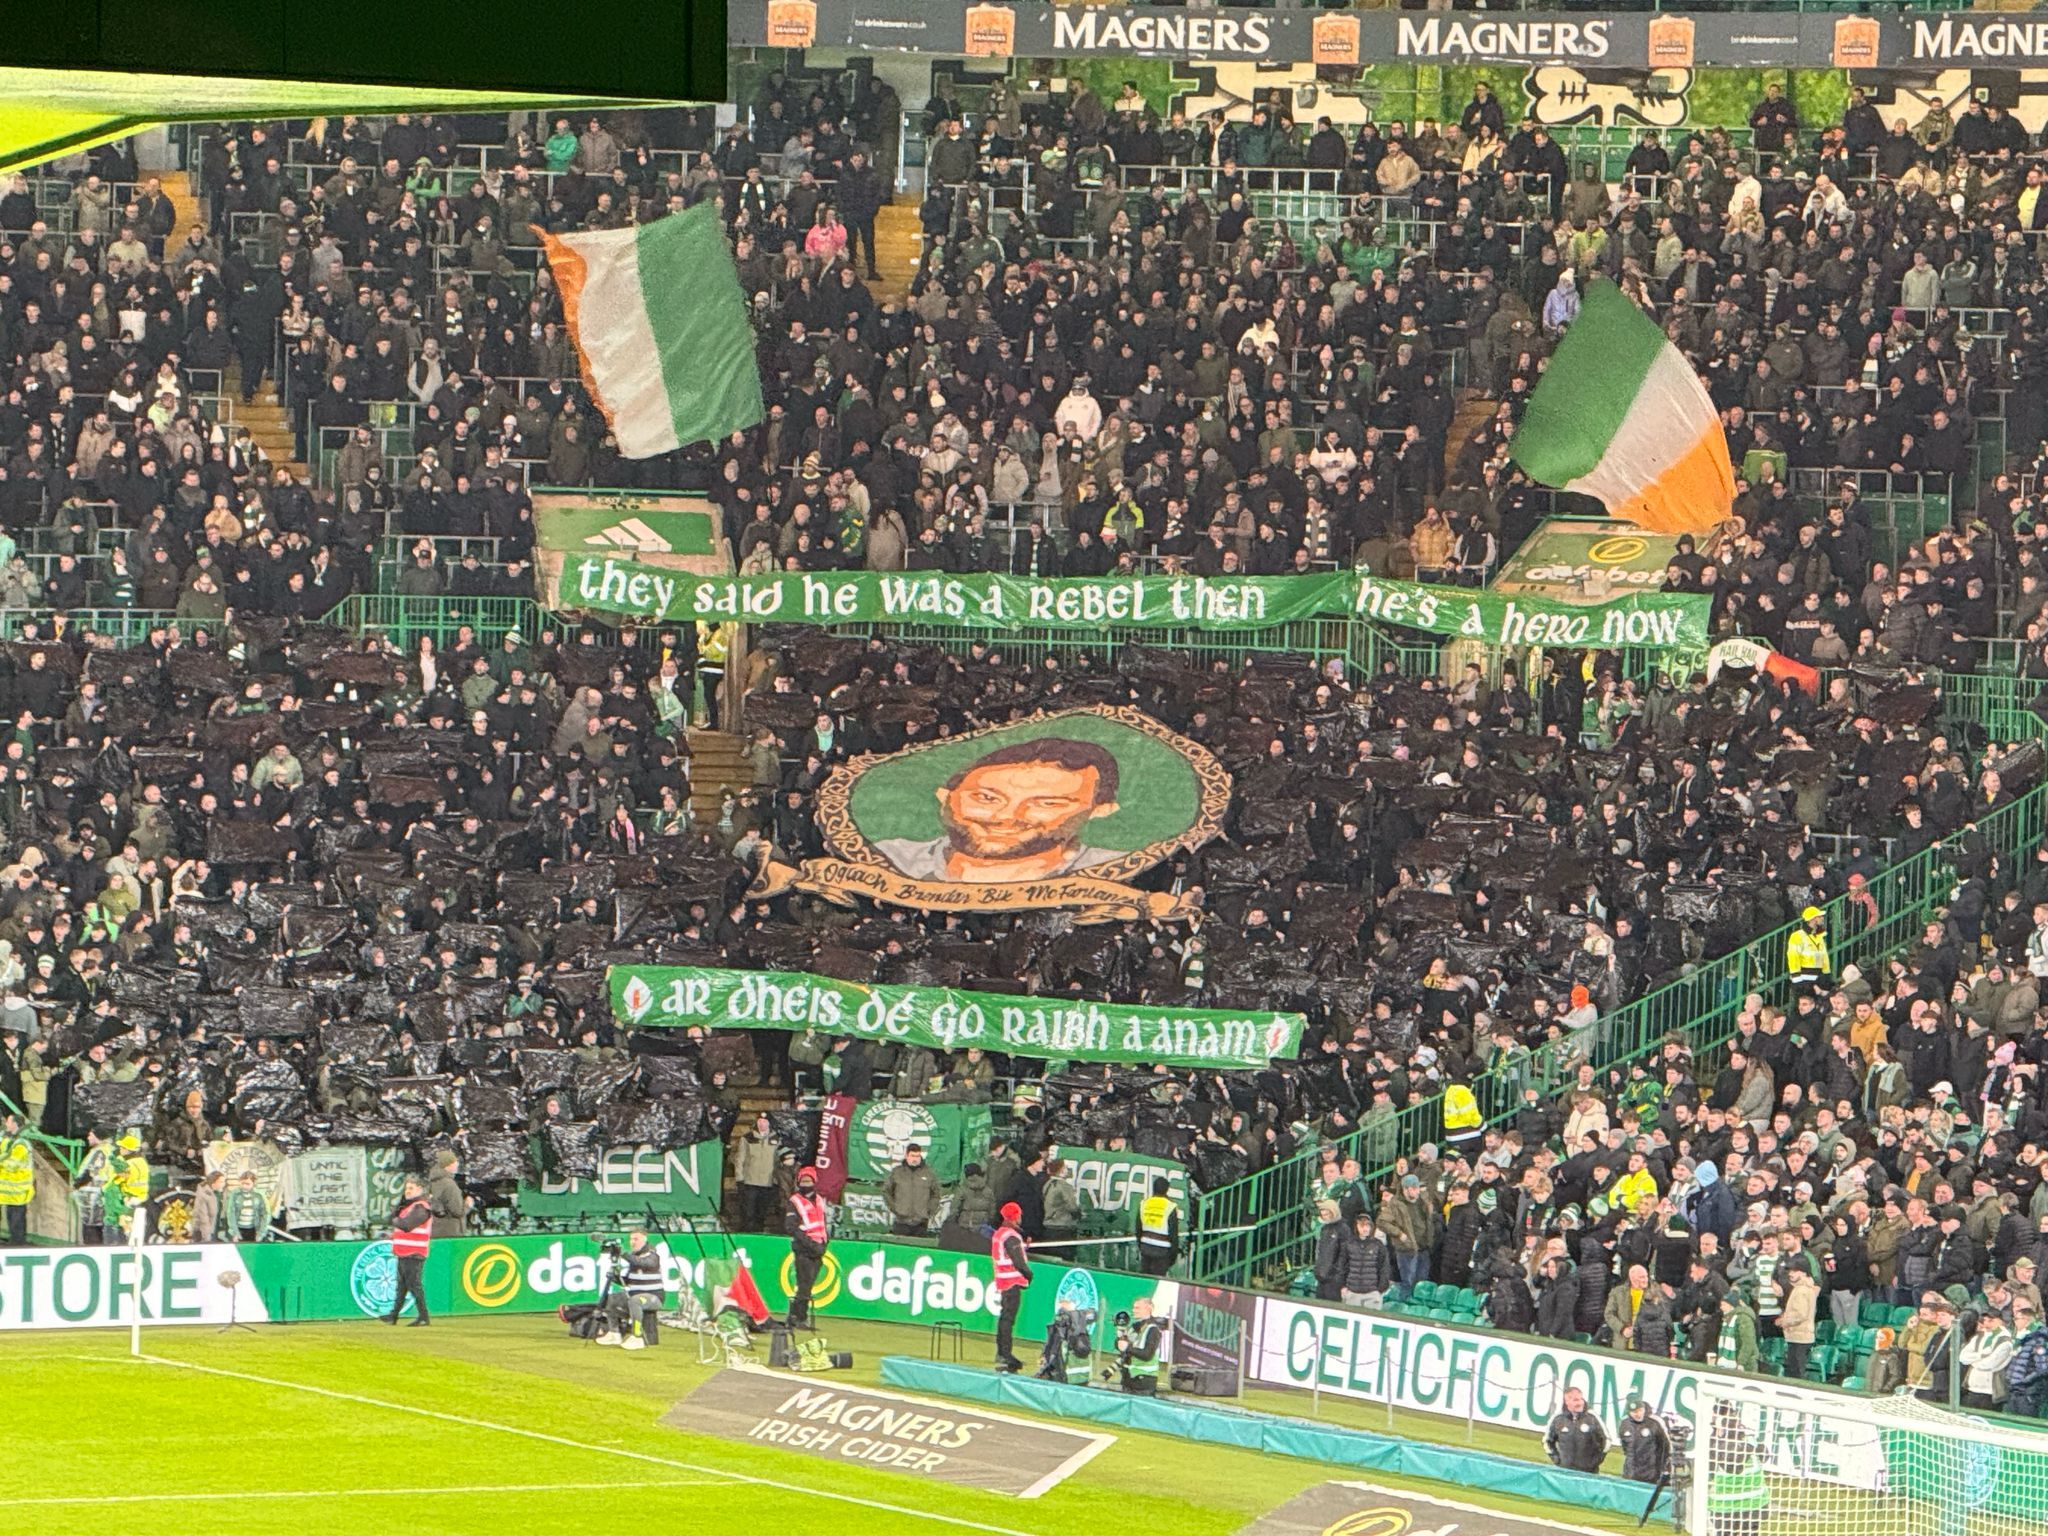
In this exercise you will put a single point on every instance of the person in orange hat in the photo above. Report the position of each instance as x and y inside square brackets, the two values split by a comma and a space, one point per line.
[1012, 1260]
[1582, 1021]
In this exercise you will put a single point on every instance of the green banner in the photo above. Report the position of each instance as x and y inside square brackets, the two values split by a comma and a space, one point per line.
[1116, 1183]
[952, 1135]
[645, 524]
[1664, 620]
[630, 1182]
[1568, 557]
[471, 1276]
[608, 584]
[656, 996]
[634, 590]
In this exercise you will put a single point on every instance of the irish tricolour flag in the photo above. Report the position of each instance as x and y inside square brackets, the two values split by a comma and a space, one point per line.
[1621, 416]
[659, 321]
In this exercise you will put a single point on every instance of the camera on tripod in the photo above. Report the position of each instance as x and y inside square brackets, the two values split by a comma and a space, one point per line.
[611, 1260]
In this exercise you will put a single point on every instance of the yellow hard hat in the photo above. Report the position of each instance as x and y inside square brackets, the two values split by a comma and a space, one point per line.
[1812, 915]
[130, 1142]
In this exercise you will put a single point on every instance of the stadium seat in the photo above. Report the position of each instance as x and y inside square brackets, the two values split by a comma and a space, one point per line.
[1824, 1331]
[1442, 1315]
[1467, 1303]
[1874, 1313]
[1820, 1362]
[1425, 1292]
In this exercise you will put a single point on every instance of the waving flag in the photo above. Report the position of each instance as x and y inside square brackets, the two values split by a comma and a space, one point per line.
[658, 319]
[1741, 651]
[728, 1282]
[1620, 415]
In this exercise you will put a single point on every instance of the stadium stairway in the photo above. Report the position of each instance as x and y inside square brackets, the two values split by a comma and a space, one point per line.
[898, 241]
[269, 426]
[717, 764]
[265, 416]
[1473, 412]
[177, 187]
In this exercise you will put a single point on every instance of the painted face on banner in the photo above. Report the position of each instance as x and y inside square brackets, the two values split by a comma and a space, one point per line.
[1029, 813]
[1024, 815]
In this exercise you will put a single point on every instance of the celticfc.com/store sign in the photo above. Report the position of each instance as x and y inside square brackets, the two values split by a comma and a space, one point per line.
[1517, 1383]
[102, 1287]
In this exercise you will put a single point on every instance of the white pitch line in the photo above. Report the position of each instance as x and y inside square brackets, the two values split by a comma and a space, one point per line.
[718, 1473]
[170, 1497]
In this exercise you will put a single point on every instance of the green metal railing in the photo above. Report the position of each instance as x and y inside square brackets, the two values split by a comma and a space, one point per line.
[1261, 1224]
[403, 620]
[1362, 646]
[69, 1154]
[124, 626]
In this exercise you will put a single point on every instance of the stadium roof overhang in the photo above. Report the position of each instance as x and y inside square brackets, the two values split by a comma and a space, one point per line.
[86, 71]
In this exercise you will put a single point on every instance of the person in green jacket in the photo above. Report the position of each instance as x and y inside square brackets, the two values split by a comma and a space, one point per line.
[1737, 1343]
[561, 145]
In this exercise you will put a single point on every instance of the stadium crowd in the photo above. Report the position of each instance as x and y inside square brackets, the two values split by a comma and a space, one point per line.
[339, 889]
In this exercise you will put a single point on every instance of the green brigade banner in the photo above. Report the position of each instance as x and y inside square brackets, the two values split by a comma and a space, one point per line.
[633, 590]
[631, 1182]
[1514, 1382]
[649, 996]
[471, 1276]
[1119, 1182]
[952, 1135]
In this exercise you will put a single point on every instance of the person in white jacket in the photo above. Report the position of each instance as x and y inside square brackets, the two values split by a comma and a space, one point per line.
[1986, 1354]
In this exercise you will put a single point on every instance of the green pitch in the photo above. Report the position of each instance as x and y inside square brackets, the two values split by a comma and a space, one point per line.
[490, 1426]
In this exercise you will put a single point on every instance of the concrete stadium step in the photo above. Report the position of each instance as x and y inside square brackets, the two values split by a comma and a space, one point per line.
[717, 764]
[177, 187]
[269, 425]
[898, 244]
[1473, 412]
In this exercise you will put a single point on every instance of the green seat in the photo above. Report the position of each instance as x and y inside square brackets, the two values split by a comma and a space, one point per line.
[1467, 1303]
[1854, 1383]
[1824, 1331]
[1874, 1313]
[1442, 1315]
[1425, 1292]
[1903, 1314]
[1820, 1362]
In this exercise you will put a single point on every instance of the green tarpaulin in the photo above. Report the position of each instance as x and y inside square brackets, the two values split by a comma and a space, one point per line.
[653, 996]
[631, 589]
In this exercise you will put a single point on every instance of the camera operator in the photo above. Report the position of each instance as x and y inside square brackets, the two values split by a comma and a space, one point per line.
[1139, 1340]
[637, 1301]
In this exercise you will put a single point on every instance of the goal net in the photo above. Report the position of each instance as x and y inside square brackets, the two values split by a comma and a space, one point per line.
[1770, 1462]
